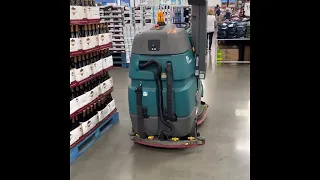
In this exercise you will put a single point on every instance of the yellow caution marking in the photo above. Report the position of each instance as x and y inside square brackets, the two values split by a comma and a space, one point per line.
[175, 139]
[187, 144]
[191, 138]
[150, 137]
[137, 135]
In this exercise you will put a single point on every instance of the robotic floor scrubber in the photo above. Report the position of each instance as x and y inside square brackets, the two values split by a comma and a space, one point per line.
[166, 68]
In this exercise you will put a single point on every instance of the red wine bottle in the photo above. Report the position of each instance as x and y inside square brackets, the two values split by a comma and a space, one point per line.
[72, 94]
[99, 105]
[95, 108]
[77, 91]
[88, 113]
[75, 62]
[84, 116]
[72, 35]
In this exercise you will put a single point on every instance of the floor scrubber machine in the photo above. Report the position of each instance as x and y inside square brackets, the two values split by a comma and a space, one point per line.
[166, 68]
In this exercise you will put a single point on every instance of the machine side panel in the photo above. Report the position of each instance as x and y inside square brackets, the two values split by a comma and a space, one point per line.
[174, 41]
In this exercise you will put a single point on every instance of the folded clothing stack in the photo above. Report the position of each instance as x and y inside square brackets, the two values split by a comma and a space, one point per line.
[241, 29]
[232, 29]
[248, 30]
[222, 31]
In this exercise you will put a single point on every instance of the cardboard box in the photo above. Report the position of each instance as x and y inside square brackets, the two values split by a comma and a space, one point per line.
[247, 53]
[75, 134]
[229, 53]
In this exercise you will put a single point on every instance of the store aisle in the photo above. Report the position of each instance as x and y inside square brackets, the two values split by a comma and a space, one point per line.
[226, 155]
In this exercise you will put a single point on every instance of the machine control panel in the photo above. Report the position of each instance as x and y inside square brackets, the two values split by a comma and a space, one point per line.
[154, 45]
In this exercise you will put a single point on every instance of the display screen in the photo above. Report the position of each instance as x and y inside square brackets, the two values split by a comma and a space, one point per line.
[154, 45]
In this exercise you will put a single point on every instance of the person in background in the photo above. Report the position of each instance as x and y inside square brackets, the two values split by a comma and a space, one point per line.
[228, 14]
[218, 10]
[211, 20]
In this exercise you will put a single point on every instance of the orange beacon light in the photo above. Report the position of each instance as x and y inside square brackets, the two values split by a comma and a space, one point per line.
[160, 17]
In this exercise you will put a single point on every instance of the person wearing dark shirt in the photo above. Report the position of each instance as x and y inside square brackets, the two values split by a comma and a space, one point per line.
[228, 15]
[218, 10]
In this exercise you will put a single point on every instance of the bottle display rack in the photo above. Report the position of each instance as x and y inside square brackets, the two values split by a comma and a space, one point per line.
[92, 108]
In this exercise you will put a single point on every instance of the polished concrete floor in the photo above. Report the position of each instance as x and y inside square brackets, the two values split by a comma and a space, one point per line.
[226, 155]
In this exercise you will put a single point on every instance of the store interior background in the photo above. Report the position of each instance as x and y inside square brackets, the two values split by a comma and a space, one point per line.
[226, 155]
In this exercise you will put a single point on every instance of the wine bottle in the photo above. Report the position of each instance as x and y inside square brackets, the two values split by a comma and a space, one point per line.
[95, 110]
[75, 62]
[77, 33]
[91, 111]
[94, 3]
[85, 87]
[90, 59]
[72, 35]
[89, 30]
[81, 89]
[77, 3]
[85, 34]
[105, 28]
[72, 95]
[99, 105]
[72, 62]
[77, 91]
[97, 29]
[84, 116]
[71, 124]
[100, 28]
[85, 2]
[88, 113]
[77, 124]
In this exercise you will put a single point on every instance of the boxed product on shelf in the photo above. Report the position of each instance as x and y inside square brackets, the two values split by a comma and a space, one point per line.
[105, 38]
[229, 53]
[74, 105]
[107, 62]
[97, 66]
[106, 85]
[92, 12]
[89, 124]
[72, 76]
[103, 113]
[77, 13]
[81, 73]
[75, 134]
[112, 105]
[83, 100]
[93, 94]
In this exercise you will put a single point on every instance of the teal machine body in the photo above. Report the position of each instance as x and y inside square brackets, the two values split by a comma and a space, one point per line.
[165, 90]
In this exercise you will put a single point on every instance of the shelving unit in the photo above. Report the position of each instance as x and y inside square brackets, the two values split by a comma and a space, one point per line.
[129, 33]
[182, 14]
[168, 11]
[92, 108]
[240, 42]
[114, 16]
